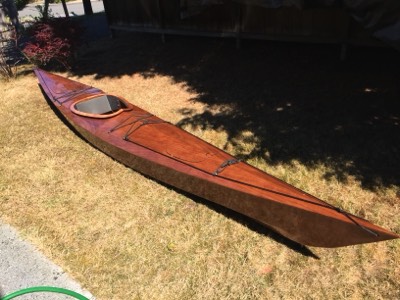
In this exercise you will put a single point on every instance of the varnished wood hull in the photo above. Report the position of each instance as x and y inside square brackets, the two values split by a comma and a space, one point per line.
[166, 153]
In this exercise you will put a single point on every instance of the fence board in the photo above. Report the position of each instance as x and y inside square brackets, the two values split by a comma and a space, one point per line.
[233, 19]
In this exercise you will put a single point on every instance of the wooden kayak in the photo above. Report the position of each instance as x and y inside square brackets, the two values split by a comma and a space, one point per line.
[175, 157]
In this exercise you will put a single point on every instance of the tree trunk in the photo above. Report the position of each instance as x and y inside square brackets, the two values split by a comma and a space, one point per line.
[2, 20]
[10, 10]
[46, 9]
[65, 8]
[87, 7]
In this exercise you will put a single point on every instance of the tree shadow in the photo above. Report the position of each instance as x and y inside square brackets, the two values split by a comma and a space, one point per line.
[299, 101]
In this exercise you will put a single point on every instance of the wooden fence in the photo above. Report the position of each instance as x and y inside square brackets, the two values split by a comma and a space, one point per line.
[326, 25]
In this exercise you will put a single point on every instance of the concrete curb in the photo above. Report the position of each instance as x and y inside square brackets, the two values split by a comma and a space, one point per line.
[23, 266]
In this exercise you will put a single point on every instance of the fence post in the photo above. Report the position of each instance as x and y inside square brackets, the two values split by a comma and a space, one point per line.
[238, 24]
[161, 21]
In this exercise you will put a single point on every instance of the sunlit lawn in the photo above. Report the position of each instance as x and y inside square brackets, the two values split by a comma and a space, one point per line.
[124, 236]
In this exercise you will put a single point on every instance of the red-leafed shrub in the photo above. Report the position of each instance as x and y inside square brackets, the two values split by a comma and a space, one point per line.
[53, 41]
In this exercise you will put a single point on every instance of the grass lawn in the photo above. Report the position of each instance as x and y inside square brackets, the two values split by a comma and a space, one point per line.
[328, 127]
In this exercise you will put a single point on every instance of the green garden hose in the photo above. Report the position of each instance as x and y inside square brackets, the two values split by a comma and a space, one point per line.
[44, 289]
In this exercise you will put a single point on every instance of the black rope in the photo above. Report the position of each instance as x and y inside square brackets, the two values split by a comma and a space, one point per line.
[347, 215]
[226, 163]
[69, 94]
[44, 81]
[133, 115]
[142, 123]
[234, 161]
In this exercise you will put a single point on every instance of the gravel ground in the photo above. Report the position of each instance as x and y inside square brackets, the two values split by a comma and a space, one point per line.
[22, 266]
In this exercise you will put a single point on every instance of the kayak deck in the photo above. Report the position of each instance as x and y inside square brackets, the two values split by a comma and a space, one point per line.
[167, 153]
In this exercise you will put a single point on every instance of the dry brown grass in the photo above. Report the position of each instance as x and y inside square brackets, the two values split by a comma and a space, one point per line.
[124, 236]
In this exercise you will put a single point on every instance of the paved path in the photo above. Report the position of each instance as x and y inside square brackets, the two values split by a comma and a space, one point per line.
[22, 266]
[75, 8]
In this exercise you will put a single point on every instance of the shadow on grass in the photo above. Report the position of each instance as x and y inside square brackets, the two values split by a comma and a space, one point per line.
[299, 101]
[255, 226]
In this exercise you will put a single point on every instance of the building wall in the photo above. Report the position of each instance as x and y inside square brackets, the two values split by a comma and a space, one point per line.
[232, 19]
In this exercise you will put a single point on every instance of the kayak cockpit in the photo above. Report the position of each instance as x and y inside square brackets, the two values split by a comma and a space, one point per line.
[100, 106]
